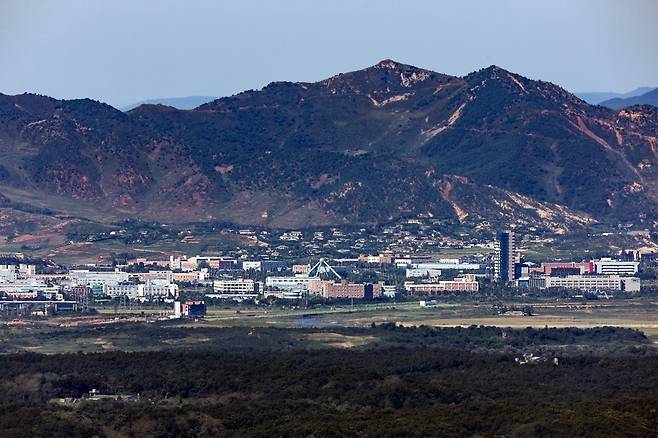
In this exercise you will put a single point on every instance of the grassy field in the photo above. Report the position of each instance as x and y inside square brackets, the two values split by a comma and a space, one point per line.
[345, 326]
[148, 328]
[637, 314]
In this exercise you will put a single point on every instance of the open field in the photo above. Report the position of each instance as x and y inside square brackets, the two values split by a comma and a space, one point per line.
[147, 328]
[636, 314]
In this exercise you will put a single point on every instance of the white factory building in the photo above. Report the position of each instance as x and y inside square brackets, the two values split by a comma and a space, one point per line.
[594, 282]
[422, 272]
[236, 289]
[94, 278]
[607, 266]
[152, 290]
[296, 282]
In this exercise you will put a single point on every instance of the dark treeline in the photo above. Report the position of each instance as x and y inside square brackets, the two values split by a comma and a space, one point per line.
[385, 391]
[608, 341]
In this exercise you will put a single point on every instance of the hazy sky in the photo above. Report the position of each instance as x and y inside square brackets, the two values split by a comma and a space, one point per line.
[124, 51]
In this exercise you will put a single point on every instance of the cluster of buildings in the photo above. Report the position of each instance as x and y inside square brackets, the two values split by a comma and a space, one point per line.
[320, 280]
[594, 275]
[242, 278]
[22, 282]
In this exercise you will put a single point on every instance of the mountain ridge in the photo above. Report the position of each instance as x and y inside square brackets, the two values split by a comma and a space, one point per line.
[182, 103]
[648, 98]
[596, 97]
[388, 141]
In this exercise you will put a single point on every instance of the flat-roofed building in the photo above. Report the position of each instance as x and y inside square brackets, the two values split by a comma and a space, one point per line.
[8, 273]
[466, 283]
[158, 290]
[28, 288]
[152, 290]
[189, 277]
[286, 294]
[582, 267]
[249, 265]
[129, 290]
[456, 265]
[154, 275]
[376, 259]
[190, 309]
[505, 257]
[296, 282]
[273, 265]
[344, 289]
[607, 266]
[215, 262]
[630, 284]
[148, 262]
[389, 290]
[301, 269]
[422, 272]
[91, 278]
[585, 282]
[236, 289]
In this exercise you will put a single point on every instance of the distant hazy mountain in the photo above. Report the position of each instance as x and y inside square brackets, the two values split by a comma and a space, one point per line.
[184, 103]
[596, 97]
[649, 98]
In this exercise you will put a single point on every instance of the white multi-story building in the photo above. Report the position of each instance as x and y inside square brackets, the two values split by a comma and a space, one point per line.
[301, 269]
[154, 275]
[156, 290]
[376, 259]
[27, 270]
[12, 272]
[183, 263]
[130, 290]
[594, 282]
[249, 265]
[467, 283]
[286, 294]
[28, 288]
[422, 272]
[291, 235]
[8, 273]
[93, 278]
[389, 290]
[446, 264]
[152, 290]
[296, 282]
[630, 284]
[607, 266]
[238, 289]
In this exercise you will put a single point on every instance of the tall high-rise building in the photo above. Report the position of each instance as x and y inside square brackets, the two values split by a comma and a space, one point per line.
[505, 257]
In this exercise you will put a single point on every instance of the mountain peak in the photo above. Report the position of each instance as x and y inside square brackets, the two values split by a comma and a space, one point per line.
[388, 64]
[498, 75]
[397, 67]
[492, 72]
[385, 77]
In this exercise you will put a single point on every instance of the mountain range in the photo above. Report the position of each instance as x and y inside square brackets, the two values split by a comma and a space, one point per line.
[596, 97]
[184, 103]
[648, 98]
[489, 149]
